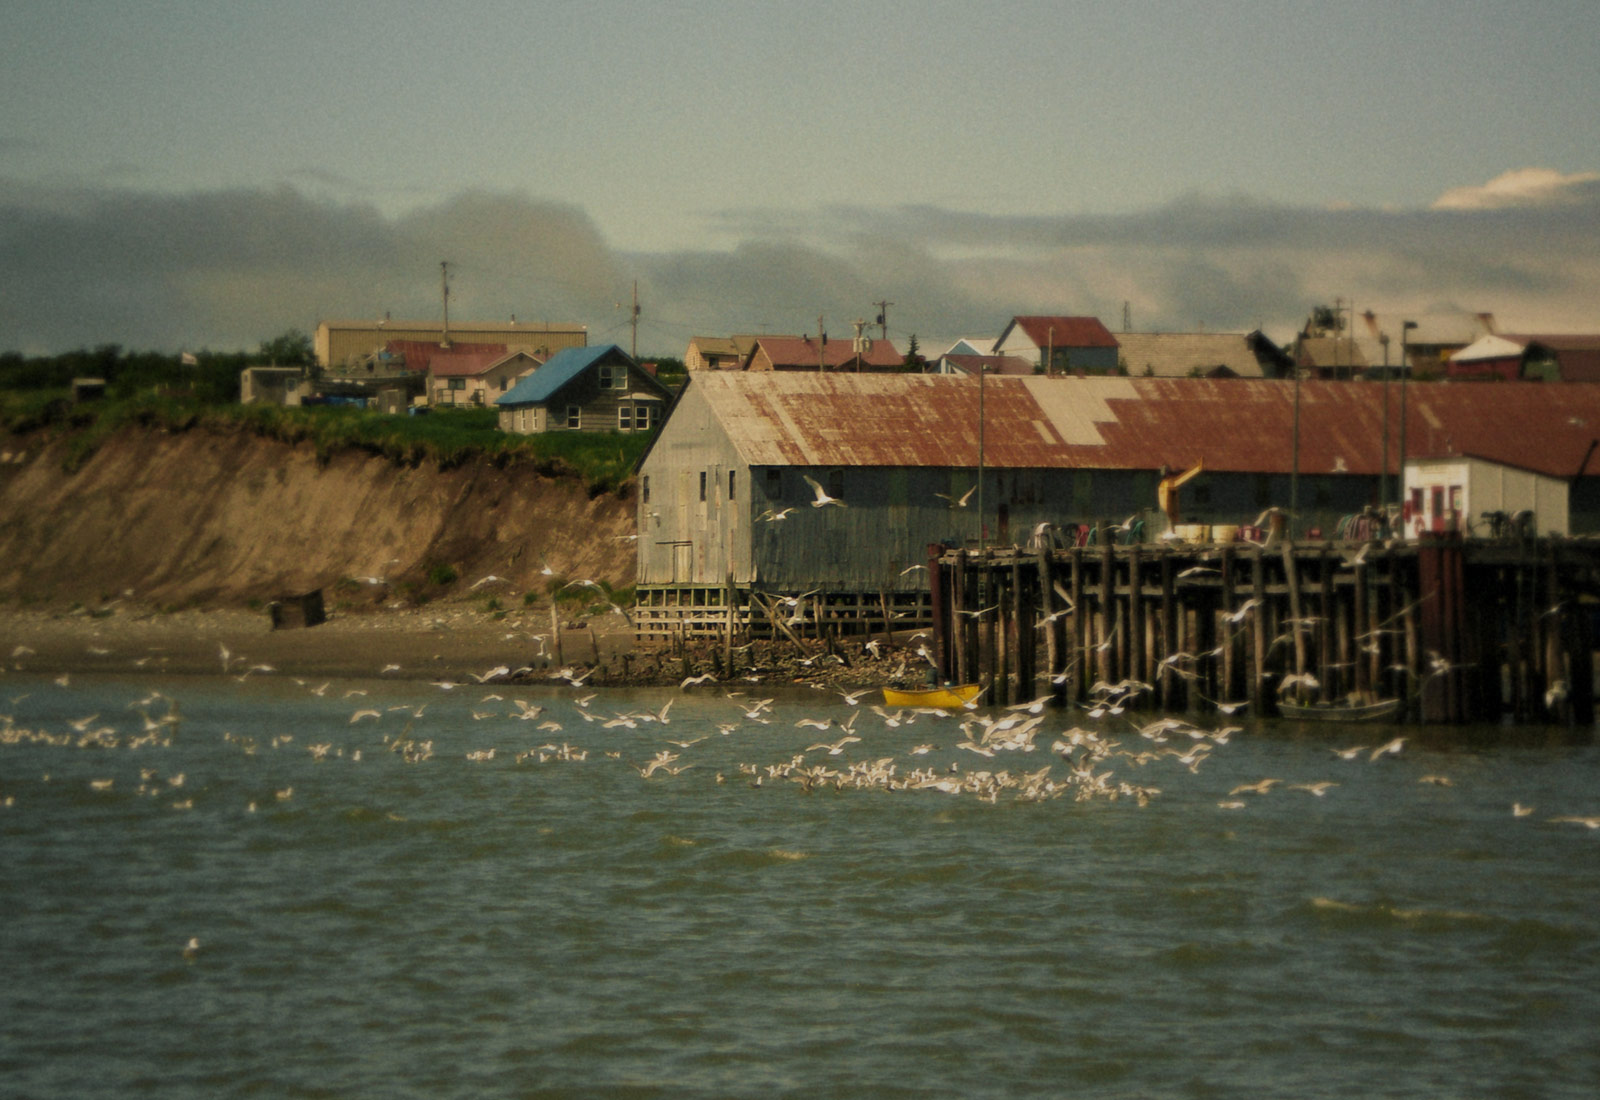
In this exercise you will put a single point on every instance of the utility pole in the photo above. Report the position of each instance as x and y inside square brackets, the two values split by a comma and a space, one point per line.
[444, 289]
[633, 350]
[883, 319]
[860, 342]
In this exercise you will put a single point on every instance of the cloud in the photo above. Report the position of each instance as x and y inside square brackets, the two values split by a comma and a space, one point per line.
[227, 269]
[1523, 187]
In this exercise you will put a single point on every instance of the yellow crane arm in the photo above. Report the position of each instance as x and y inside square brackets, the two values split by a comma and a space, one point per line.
[1167, 491]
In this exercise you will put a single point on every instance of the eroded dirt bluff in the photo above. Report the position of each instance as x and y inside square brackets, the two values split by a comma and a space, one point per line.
[225, 517]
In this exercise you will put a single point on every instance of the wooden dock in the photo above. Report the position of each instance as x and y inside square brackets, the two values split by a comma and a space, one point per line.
[1460, 631]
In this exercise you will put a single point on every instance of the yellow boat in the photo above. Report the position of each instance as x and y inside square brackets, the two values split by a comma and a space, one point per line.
[951, 696]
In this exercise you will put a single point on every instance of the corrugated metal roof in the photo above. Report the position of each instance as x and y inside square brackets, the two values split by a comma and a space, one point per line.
[462, 363]
[1237, 425]
[1063, 332]
[1578, 354]
[460, 359]
[992, 364]
[1489, 347]
[800, 353]
[1176, 354]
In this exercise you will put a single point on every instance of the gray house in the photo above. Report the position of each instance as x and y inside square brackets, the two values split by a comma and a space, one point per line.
[593, 389]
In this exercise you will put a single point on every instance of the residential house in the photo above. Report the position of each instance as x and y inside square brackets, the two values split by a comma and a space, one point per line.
[718, 352]
[1553, 358]
[1202, 355]
[593, 389]
[741, 451]
[273, 386]
[1390, 343]
[803, 353]
[971, 354]
[476, 377]
[1060, 345]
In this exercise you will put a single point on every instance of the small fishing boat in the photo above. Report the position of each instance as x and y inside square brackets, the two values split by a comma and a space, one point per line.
[1378, 711]
[949, 696]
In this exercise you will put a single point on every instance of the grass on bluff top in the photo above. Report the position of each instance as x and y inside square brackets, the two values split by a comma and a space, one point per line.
[448, 437]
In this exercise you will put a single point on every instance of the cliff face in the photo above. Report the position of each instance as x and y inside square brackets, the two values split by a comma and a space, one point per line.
[217, 518]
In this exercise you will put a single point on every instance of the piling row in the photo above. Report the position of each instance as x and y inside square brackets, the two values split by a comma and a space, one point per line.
[1455, 631]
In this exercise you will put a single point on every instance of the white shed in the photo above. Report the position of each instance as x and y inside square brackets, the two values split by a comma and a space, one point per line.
[1461, 493]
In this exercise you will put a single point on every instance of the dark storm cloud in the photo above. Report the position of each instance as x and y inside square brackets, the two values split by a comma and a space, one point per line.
[231, 268]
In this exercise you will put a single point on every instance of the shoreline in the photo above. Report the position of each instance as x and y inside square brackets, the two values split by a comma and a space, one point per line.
[437, 641]
[445, 640]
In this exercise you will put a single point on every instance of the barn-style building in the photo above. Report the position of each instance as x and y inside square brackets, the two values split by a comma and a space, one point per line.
[738, 488]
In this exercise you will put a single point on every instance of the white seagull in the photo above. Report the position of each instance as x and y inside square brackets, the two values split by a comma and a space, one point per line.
[822, 494]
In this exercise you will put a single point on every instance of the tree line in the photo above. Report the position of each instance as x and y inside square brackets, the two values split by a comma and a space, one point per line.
[208, 376]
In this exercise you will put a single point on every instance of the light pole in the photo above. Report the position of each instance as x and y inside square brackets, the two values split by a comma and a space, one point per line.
[1294, 467]
[1383, 476]
[1405, 327]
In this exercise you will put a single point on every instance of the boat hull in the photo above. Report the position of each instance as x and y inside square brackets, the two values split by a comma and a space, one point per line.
[1381, 711]
[953, 695]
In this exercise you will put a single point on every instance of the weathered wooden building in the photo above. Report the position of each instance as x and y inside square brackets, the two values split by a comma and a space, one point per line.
[738, 488]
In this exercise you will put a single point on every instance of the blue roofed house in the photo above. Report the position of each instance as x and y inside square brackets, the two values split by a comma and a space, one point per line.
[588, 389]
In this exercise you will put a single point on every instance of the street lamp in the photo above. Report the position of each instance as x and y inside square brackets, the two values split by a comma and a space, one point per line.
[1294, 467]
[1405, 327]
[1383, 473]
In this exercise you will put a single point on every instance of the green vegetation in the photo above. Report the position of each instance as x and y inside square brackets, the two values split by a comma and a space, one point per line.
[671, 373]
[207, 376]
[448, 437]
[179, 392]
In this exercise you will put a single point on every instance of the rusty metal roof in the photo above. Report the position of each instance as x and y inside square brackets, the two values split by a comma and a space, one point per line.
[1062, 332]
[801, 353]
[1236, 425]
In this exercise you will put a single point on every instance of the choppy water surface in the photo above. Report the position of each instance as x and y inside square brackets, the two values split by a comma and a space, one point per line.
[453, 926]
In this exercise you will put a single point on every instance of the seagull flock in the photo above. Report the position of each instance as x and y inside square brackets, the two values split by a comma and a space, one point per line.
[1109, 755]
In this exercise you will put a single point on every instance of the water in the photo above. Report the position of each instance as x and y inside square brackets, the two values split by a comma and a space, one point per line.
[485, 928]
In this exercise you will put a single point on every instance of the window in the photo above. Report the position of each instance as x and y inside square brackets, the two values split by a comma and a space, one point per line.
[624, 418]
[503, 382]
[613, 377]
[730, 484]
[574, 416]
[458, 383]
[702, 486]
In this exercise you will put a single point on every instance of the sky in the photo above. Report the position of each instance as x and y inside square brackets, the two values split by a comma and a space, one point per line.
[183, 174]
